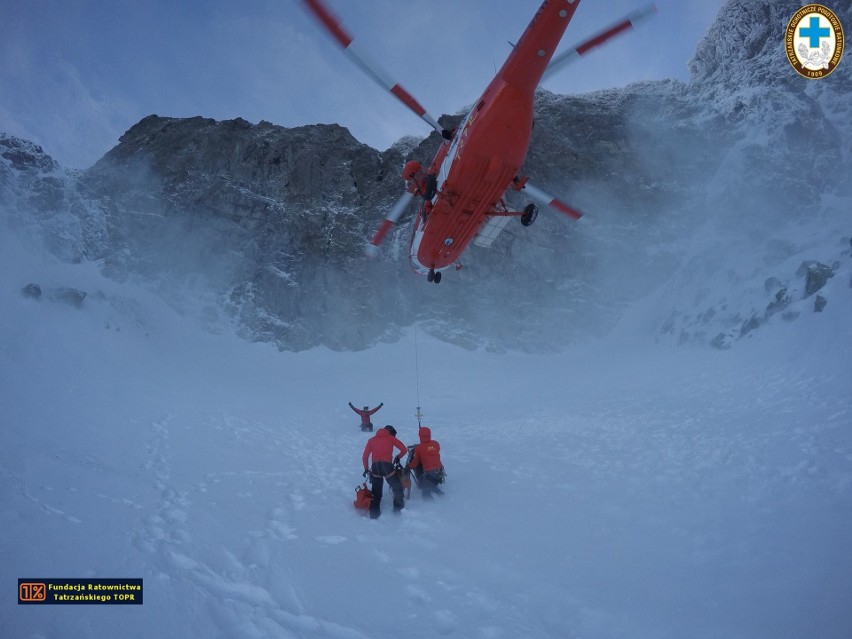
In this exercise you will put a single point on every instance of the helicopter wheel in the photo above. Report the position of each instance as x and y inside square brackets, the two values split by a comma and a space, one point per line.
[437, 278]
[430, 277]
[530, 213]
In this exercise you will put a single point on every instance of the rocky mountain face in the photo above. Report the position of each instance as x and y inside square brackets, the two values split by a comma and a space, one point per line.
[271, 219]
[711, 181]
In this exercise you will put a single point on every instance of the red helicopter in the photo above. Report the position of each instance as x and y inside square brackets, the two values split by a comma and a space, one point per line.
[463, 189]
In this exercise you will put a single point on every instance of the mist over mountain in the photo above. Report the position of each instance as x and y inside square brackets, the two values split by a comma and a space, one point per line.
[734, 182]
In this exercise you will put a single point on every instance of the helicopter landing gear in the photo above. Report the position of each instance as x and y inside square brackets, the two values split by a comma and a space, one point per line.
[530, 213]
[433, 276]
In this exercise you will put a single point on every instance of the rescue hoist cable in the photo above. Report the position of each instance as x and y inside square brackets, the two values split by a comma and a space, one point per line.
[417, 374]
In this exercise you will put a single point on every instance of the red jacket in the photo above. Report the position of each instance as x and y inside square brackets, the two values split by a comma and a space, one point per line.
[381, 446]
[365, 414]
[427, 452]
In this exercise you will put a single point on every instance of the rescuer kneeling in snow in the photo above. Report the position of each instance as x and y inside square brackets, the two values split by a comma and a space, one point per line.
[380, 446]
[365, 415]
[426, 463]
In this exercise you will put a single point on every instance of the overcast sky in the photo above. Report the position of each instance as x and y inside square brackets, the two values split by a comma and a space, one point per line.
[76, 74]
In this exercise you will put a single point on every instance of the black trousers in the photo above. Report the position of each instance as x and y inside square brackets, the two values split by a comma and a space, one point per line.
[429, 483]
[382, 471]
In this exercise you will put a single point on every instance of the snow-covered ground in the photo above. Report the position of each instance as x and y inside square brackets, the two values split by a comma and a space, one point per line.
[623, 489]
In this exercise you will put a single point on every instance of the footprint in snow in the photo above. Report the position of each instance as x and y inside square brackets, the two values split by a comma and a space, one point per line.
[410, 573]
[445, 621]
[380, 555]
[50, 510]
[417, 594]
[297, 500]
[277, 528]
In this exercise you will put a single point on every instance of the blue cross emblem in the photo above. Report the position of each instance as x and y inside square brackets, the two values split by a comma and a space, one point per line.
[814, 32]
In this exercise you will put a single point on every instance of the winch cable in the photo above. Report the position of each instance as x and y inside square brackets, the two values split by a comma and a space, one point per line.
[417, 374]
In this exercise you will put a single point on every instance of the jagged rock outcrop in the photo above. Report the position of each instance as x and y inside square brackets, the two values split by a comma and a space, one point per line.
[816, 276]
[32, 291]
[65, 294]
[785, 144]
[277, 219]
[37, 193]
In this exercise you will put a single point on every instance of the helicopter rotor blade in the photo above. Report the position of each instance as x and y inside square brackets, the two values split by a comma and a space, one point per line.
[595, 41]
[381, 77]
[390, 219]
[546, 198]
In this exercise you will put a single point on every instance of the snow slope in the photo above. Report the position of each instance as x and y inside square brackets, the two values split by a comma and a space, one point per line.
[621, 489]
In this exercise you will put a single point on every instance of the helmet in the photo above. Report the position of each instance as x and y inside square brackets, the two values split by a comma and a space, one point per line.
[410, 170]
[391, 430]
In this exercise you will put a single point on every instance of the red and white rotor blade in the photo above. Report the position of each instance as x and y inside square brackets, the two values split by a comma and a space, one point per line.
[546, 198]
[367, 65]
[390, 219]
[628, 22]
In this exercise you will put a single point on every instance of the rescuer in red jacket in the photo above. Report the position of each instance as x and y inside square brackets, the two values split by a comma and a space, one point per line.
[380, 447]
[426, 463]
[365, 414]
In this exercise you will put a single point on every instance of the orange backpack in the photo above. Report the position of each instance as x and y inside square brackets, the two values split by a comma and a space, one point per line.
[363, 497]
[405, 478]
